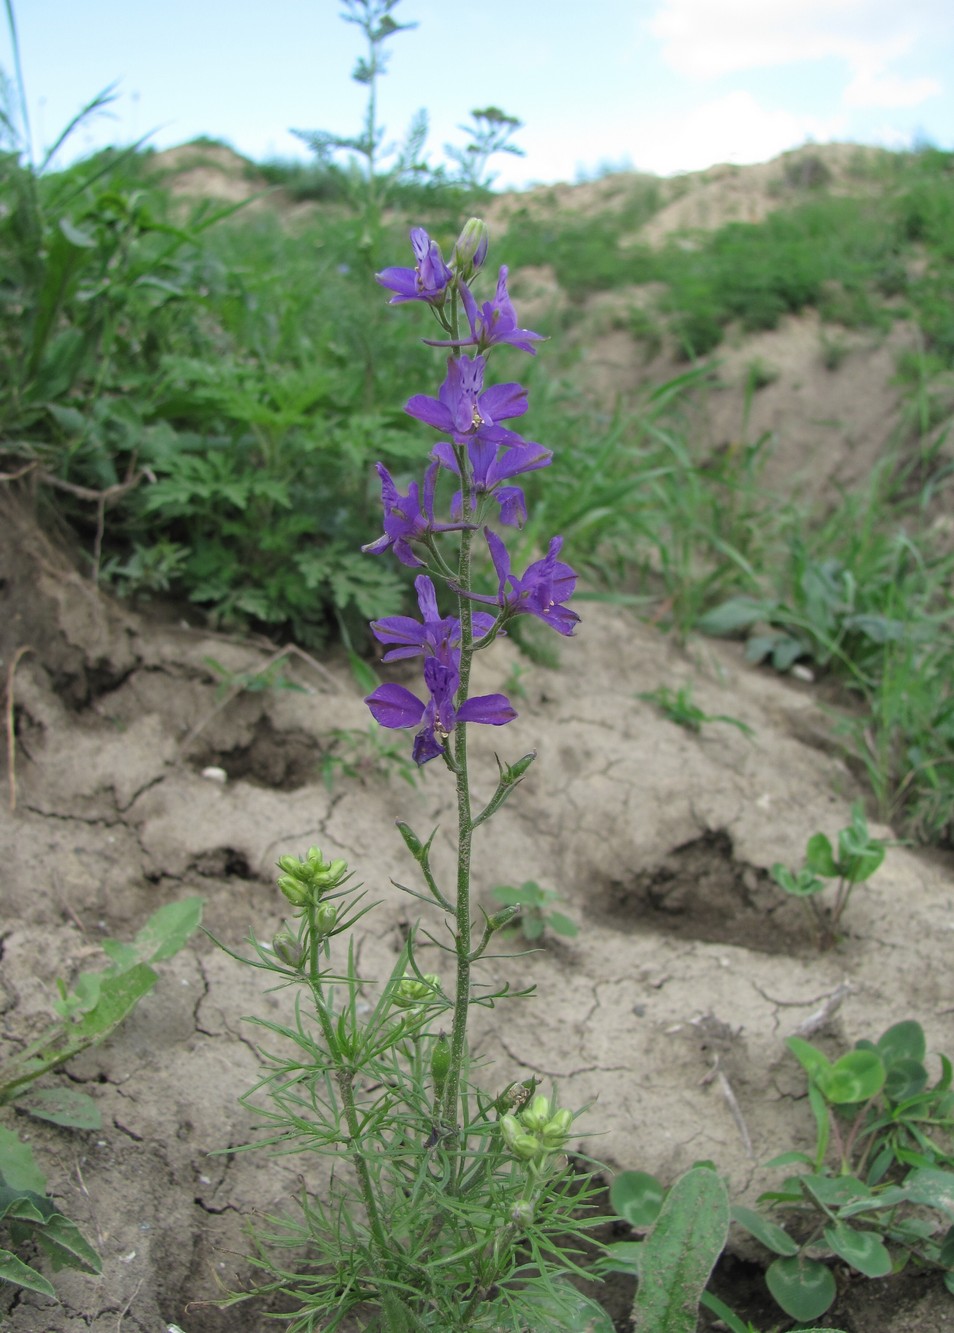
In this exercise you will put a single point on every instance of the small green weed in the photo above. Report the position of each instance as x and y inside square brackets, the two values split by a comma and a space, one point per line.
[360, 755]
[859, 856]
[678, 707]
[88, 1012]
[535, 913]
[887, 1198]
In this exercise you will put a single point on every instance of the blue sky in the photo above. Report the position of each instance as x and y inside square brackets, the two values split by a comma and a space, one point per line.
[655, 85]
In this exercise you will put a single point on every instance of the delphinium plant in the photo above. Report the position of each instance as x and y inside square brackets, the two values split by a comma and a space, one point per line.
[452, 1203]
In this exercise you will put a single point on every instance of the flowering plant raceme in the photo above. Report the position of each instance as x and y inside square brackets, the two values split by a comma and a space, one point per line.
[459, 1211]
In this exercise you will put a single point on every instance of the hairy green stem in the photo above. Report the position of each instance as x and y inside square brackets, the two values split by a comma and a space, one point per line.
[344, 1077]
[465, 831]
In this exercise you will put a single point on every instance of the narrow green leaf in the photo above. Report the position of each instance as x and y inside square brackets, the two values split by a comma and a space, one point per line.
[167, 930]
[61, 1106]
[772, 1236]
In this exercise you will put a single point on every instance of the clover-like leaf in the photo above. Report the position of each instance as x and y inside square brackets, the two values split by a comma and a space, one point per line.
[804, 1288]
[863, 1250]
[637, 1197]
[856, 1077]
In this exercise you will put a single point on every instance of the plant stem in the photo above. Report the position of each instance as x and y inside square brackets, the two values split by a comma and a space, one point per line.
[465, 832]
[344, 1077]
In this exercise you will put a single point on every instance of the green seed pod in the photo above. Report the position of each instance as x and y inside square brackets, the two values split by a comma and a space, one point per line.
[440, 1063]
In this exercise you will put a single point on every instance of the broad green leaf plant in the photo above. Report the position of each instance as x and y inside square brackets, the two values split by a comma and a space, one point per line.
[87, 1014]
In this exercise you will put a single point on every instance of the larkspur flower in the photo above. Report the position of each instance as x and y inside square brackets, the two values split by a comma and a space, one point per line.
[395, 706]
[408, 518]
[492, 323]
[432, 636]
[427, 281]
[491, 464]
[466, 411]
[545, 586]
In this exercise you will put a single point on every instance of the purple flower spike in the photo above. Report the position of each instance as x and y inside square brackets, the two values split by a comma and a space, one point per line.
[434, 636]
[427, 281]
[395, 707]
[545, 586]
[406, 518]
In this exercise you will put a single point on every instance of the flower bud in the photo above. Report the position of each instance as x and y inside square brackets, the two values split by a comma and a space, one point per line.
[325, 919]
[411, 991]
[536, 1115]
[293, 889]
[556, 1129]
[526, 1147]
[309, 877]
[411, 841]
[503, 917]
[471, 248]
[287, 948]
[521, 1214]
[511, 774]
[509, 1129]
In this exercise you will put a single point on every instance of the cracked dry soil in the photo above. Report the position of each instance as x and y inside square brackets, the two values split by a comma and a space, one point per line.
[667, 1013]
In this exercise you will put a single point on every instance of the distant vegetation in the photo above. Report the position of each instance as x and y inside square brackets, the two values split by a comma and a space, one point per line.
[202, 392]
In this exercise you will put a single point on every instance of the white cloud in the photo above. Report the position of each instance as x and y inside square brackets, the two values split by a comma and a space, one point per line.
[889, 90]
[733, 128]
[706, 40]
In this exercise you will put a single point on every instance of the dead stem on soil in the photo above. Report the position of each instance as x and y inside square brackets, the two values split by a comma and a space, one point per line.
[11, 732]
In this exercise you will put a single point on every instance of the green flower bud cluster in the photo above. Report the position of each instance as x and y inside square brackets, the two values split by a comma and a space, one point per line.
[536, 1131]
[412, 990]
[306, 879]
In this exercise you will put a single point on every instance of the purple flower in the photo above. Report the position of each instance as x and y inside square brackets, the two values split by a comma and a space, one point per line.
[464, 410]
[492, 323]
[394, 706]
[406, 518]
[491, 464]
[434, 636]
[426, 281]
[546, 584]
